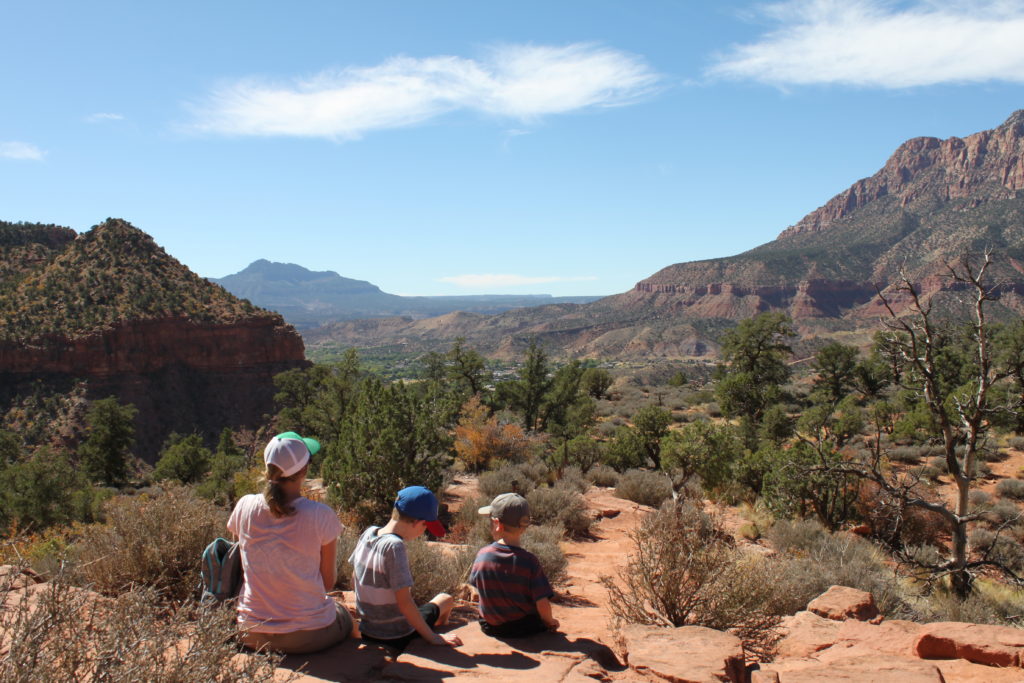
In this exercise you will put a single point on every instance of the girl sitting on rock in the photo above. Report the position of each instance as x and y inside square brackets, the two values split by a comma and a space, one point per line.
[288, 544]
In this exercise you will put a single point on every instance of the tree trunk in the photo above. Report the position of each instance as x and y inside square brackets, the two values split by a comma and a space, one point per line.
[960, 576]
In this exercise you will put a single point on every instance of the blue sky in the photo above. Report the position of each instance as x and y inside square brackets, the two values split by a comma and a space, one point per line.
[563, 147]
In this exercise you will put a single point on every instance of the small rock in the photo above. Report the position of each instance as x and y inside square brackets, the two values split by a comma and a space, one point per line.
[688, 654]
[18, 577]
[979, 643]
[587, 669]
[840, 603]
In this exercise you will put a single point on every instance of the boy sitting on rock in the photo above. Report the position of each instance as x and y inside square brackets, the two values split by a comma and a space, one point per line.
[514, 593]
[383, 583]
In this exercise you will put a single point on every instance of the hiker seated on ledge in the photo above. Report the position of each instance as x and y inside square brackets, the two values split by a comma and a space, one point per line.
[288, 544]
[514, 592]
[383, 582]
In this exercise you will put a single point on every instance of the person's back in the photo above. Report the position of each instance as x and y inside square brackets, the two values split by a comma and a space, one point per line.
[283, 590]
[383, 581]
[288, 546]
[514, 592]
[381, 567]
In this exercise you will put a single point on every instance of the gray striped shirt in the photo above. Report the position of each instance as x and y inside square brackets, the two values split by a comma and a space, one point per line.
[381, 567]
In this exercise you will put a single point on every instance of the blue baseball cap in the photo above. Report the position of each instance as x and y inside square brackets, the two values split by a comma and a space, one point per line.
[419, 502]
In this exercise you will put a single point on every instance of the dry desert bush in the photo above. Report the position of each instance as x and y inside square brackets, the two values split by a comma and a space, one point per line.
[437, 567]
[990, 603]
[562, 507]
[603, 475]
[684, 569]
[1011, 488]
[57, 632]
[521, 478]
[644, 487]
[152, 540]
[572, 478]
[815, 559]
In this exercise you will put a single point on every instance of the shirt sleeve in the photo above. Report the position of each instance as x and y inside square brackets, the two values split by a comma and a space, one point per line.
[330, 526]
[233, 519]
[539, 585]
[474, 572]
[396, 563]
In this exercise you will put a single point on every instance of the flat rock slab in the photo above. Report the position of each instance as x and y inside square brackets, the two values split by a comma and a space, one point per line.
[688, 654]
[962, 671]
[346, 661]
[841, 603]
[543, 657]
[878, 669]
[861, 639]
[979, 643]
[807, 633]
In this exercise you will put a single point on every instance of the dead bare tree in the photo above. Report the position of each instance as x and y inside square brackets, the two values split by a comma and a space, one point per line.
[961, 415]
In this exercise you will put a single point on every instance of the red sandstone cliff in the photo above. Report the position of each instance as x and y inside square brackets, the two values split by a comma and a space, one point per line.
[983, 166]
[111, 308]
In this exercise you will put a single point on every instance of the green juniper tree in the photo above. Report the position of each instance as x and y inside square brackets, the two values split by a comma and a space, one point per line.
[106, 451]
[753, 370]
[391, 437]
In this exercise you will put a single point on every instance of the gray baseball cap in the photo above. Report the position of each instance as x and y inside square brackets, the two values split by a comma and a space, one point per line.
[510, 509]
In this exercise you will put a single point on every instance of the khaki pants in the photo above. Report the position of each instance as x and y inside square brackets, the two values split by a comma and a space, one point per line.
[302, 642]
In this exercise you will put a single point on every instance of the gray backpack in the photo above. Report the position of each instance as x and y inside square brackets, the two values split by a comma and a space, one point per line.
[221, 571]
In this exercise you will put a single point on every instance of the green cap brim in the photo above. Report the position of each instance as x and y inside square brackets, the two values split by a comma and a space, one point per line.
[312, 444]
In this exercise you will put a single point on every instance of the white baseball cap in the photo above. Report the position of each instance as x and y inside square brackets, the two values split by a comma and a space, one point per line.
[289, 452]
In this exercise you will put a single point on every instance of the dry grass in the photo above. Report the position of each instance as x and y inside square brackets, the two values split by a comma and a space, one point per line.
[56, 632]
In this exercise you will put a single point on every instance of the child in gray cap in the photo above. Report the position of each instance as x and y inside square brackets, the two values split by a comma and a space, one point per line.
[514, 592]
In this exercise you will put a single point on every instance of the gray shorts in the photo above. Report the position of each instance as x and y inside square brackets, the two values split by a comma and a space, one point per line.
[302, 642]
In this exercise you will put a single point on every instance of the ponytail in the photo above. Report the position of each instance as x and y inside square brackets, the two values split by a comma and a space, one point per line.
[274, 493]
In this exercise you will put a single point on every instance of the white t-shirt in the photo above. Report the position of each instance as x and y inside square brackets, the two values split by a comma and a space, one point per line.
[282, 590]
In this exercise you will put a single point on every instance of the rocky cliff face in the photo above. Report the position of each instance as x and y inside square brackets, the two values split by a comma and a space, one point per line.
[146, 346]
[932, 202]
[132, 322]
[968, 171]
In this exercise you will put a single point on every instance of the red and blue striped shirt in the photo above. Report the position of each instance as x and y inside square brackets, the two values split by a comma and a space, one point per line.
[510, 581]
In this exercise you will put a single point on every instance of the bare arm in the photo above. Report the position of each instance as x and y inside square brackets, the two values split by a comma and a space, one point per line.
[544, 611]
[406, 605]
[329, 564]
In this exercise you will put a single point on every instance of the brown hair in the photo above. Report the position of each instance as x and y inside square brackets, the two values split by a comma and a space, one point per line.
[397, 514]
[274, 493]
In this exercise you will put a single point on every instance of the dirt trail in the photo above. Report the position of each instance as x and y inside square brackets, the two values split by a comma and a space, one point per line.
[582, 607]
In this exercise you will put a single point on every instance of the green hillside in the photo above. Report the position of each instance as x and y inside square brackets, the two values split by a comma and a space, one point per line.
[111, 273]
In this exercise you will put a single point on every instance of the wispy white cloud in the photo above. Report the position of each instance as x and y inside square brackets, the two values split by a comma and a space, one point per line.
[508, 280]
[99, 117]
[521, 82]
[876, 43]
[21, 151]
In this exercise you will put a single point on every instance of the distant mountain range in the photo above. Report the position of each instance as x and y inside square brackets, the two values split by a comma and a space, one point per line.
[309, 298]
[933, 201]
